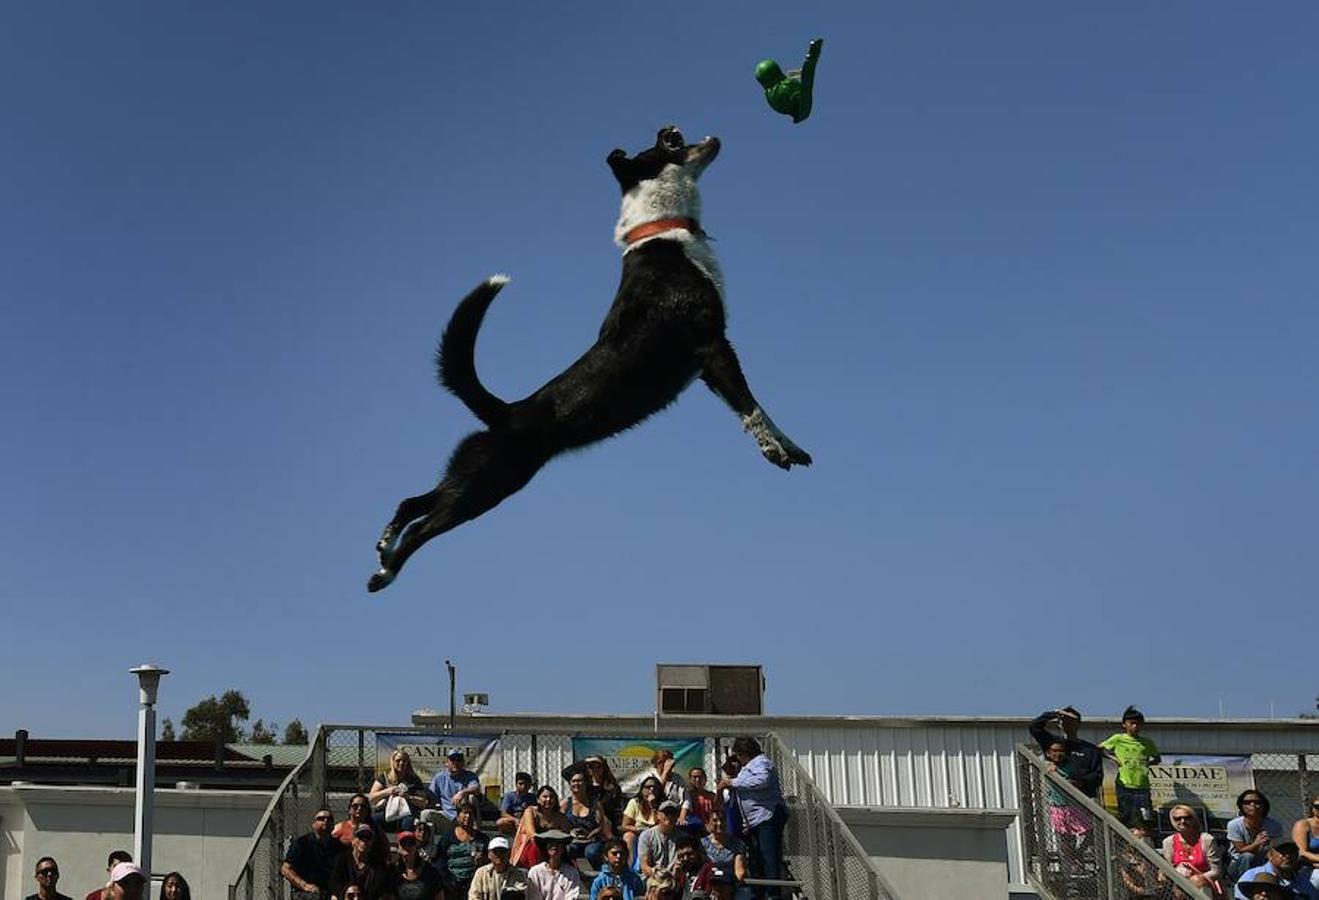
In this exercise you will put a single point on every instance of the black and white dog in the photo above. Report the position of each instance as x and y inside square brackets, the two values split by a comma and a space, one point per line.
[666, 326]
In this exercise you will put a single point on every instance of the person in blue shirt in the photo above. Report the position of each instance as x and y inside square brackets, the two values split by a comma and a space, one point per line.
[455, 785]
[616, 873]
[1283, 859]
[513, 803]
[764, 812]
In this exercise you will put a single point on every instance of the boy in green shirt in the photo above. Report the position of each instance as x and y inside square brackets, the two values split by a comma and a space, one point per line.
[1133, 754]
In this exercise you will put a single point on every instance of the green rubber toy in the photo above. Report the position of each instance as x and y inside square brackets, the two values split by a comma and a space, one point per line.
[790, 94]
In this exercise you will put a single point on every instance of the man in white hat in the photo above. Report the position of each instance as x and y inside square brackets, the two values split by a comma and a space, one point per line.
[499, 875]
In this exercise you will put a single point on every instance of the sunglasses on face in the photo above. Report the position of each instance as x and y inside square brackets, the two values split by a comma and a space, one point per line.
[1183, 818]
[1252, 802]
[325, 818]
[53, 873]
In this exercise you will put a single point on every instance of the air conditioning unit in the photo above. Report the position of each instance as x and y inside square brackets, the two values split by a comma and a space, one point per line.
[710, 690]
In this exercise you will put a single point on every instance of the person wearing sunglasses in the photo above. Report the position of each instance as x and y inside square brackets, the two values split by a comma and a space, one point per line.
[1193, 852]
[359, 813]
[362, 868]
[48, 876]
[1305, 834]
[310, 858]
[1250, 834]
[1283, 868]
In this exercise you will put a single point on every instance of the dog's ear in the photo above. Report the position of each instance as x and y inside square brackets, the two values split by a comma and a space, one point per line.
[620, 165]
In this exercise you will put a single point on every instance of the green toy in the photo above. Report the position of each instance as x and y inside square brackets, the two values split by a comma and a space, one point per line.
[790, 94]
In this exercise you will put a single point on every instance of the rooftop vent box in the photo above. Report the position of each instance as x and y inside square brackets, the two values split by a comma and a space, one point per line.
[710, 690]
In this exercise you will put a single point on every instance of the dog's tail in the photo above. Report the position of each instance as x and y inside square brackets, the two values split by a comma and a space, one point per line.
[456, 357]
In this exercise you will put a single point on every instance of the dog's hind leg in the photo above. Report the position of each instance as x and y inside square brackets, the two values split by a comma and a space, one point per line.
[487, 467]
[722, 372]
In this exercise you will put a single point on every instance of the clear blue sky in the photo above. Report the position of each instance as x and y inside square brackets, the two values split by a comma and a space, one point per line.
[1035, 284]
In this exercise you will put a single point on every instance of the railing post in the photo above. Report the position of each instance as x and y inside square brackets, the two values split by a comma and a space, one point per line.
[320, 767]
[1107, 860]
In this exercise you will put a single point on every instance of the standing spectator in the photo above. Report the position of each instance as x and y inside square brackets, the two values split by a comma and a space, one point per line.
[455, 785]
[514, 803]
[587, 822]
[175, 887]
[1085, 761]
[764, 812]
[616, 873]
[499, 879]
[607, 789]
[458, 852]
[48, 876]
[362, 867]
[698, 804]
[542, 817]
[1250, 833]
[1133, 754]
[310, 859]
[414, 877]
[126, 882]
[1071, 826]
[1282, 865]
[103, 892]
[399, 780]
[640, 812]
[727, 856]
[662, 766]
[1192, 852]
[553, 879]
[658, 846]
[1305, 834]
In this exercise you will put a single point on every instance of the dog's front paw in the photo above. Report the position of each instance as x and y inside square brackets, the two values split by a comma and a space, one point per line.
[381, 579]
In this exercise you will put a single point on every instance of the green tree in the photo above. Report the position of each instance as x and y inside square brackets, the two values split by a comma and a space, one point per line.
[167, 729]
[295, 733]
[262, 734]
[217, 720]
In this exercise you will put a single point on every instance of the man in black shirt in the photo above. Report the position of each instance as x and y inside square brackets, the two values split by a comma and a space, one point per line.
[307, 864]
[48, 873]
[1085, 762]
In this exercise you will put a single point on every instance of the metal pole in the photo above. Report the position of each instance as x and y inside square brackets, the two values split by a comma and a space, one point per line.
[148, 682]
[453, 681]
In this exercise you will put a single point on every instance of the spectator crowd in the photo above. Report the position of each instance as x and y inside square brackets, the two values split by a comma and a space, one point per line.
[676, 838]
[1257, 858]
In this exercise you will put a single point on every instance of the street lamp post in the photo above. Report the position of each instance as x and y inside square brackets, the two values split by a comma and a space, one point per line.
[148, 682]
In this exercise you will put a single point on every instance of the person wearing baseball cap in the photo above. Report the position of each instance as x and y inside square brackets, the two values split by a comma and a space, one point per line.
[103, 892]
[658, 846]
[414, 877]
[1282, 869]
[555, 878]
[498, 875]
[455, 785]
[362, 869]
[126, 882]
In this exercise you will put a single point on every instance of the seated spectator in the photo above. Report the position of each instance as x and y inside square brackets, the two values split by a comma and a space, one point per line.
[663, 887]
[640, 812]
[1085, 761]
[538, 819]
[362, 868]
[1140, 877]
[1250, 833]
[175, 887]
[498, 879]
[728, 861]
[1305, 834]
[611, 892]
[459, 851]
[616, 874]
[1263, 887]
[1282, 866]
[689, 868]
[414, 877]
[587, 822]
[425, 840]
[657, 847]
[607, 789]
[398, 781]
[103, 892]
[555, 878]
[359, 813]
[663, 766]
[310, 858]
[1193, 852]
[454, 785]
[48, 876]
[698, 803]
[514, 803]
[127, 882]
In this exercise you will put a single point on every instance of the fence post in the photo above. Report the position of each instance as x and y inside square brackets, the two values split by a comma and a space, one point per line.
[320, 768]
[361, 760]
[1108, 860]
[1304, 771]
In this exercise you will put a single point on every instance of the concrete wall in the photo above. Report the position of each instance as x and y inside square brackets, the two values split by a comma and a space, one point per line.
[936, 854]
[203, 834]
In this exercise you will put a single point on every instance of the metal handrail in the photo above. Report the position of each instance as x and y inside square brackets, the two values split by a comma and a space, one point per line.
[1106, 821]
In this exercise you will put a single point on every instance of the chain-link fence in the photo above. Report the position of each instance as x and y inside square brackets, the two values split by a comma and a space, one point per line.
[1074, 849]
[822, 854]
